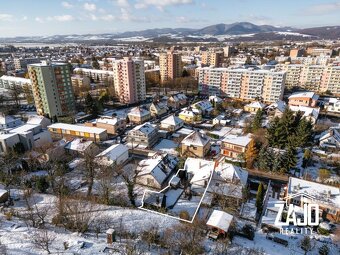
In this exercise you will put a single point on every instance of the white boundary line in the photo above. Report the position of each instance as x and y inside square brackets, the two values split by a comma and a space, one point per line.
[173, 217]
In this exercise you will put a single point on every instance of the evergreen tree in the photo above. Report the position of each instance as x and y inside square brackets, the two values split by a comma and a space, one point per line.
[324, 250]
[259, 198]
[290, 159]
[257, 122]
[303, 133]
[42, 184]
[306, 244]
[95, 64]
[264, 159]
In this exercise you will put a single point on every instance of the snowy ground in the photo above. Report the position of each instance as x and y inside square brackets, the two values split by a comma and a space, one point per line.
[18, 237]
[269, 247]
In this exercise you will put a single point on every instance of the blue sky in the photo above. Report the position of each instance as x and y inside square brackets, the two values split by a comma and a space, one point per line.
[50, 17]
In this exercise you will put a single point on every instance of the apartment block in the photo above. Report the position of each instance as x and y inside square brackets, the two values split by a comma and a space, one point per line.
[7, 82]
[214, 59]
[21, 63]
[245, 84]
[170, 64]
[129, 80]
[104, 77]
[316, 78]
[52, 89]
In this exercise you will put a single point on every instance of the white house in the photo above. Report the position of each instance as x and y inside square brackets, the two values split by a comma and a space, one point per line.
[203, 107]
[29, 135]
[39, 120]
[116, 154]
[80, 146]
[333, 105]
[172, 123]
[330, 138]
[155, 171]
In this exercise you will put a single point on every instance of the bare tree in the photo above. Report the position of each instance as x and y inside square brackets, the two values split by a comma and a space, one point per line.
[74, 214]
[34, 216]
[15, 92]
[42, 239]
[90, 171]
[186, 237]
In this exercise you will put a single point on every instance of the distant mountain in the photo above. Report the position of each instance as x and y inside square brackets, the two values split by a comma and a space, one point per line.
[239, 31]
[239, 28]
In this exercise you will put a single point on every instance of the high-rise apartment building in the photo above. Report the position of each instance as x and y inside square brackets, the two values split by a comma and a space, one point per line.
[129, 80]
[245, 84]
[214, 59]
[170, 65]
[316, 78]
[52, 88]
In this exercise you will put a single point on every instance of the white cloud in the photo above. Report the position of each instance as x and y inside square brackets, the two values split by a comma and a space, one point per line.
[38, 19]
[66, 5]
[6, 17]
[160, 4]
[323, 9]
[62, 18]
[90, 7]
[24, 18]
[123, 3]
[108, 17]
[185, 20]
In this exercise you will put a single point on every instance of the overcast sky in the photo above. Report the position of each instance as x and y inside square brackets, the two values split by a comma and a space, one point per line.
[50, 17]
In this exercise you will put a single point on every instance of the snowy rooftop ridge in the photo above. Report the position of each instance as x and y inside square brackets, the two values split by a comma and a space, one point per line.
[196, 138]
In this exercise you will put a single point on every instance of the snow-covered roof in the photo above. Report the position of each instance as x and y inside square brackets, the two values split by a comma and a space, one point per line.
[107, 120]
[6, 119]
[256, 104]
[179, 97]
[307, 111]
[172, 120]
[200, 168]
[196, 138]
[220, 220]
[332, 132]
[238, 140]
[230, 172]
[35, 119]
[204, 105]
[216, 99]
[113, 152]
[279, 105]
[188, 112]
[139, 111]
[321, 192]
[15, 79]
[159, 106]
[145, 128]
[160, 166]
[310, 95]
[78, 144]
[93, 71]
[77, 128]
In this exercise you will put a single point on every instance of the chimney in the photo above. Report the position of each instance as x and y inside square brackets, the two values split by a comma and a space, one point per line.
[329, 193]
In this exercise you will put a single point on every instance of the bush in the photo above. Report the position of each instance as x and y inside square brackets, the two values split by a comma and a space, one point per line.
[249, 231]
[324, 250]
[184, 215]
[42, 184]
[323, 231]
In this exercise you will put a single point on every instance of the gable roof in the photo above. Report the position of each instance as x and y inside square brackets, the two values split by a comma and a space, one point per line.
[196, 138]
[256, 104]
[113, 152]
[172, 120]
[145, 128]
[220, 220]
[78, 144]
[306, 94]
